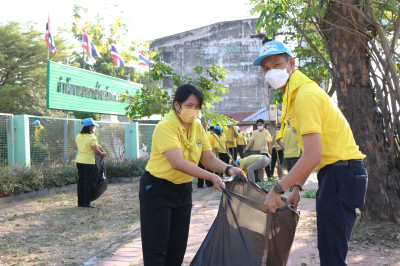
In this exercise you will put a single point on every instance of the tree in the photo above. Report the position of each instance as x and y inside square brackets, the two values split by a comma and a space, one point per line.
[23, 69]
[102, 36]
[355, 41]
[154, 99]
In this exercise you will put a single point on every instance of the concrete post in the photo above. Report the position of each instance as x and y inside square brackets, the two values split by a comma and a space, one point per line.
[22, 150]
[77, 129]
[132, 140]
[10, 142]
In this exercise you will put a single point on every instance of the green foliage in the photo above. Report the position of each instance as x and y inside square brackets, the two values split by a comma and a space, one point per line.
[125, 167]
[102, 35]
[153, 99]
[312, 193]
[83, 115]
[267, 184]
[23, 69]
[48, 174]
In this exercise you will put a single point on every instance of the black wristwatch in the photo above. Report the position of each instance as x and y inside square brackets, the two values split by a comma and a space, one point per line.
[227, 170]
[297, 185]
[278, 188]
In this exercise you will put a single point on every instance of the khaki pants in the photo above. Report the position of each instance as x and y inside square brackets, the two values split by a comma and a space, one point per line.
[259, 165]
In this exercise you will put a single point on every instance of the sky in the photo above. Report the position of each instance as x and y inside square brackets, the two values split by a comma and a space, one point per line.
[146, 19]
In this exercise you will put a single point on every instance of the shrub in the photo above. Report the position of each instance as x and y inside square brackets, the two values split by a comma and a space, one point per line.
[14, 181]
[125, 167]
[312, 193]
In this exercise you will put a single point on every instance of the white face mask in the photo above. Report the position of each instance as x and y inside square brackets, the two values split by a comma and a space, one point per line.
[260, 128]
[276, 78]
[94, 129]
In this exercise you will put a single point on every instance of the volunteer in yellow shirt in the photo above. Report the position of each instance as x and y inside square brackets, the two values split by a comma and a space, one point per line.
[39, 129]
[260, 142]
[87, 146]
[165, 193]
[292, 148]
[276, 152]
[241, 143]
[253, 163]
[328, 145]
[231, 134]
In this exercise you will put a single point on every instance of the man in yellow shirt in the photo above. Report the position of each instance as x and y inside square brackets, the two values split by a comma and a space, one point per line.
[260, 141]
[241, 143]
[231, 134]
[328, 145]
[292, 148]
[254, 163]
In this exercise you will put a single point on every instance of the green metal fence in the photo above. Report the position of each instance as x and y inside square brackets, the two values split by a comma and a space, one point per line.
[22, 143]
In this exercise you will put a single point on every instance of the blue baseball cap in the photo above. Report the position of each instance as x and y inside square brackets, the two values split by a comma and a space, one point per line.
[271, 48]
[89, 122]
[37, 122]
[238, 129]
[237, 161]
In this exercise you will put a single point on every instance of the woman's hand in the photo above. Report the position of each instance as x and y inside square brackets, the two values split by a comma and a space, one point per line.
[237, 171]
[104, 154]
[217, 182]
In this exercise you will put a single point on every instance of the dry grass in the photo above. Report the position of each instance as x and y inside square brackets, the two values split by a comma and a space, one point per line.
[54, 231]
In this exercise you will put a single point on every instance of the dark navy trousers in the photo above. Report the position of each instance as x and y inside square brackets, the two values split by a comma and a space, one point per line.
[341, 190]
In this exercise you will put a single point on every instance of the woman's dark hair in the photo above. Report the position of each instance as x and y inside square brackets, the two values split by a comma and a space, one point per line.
[86, 130]
[217, 131]
[183, 93]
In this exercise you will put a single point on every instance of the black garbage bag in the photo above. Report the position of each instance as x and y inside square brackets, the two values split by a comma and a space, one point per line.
[238, 234]
[99, 185]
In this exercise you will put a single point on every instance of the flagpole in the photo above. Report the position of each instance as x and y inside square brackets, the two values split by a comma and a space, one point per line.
[114, 69]
[83, 52]
[47, 41]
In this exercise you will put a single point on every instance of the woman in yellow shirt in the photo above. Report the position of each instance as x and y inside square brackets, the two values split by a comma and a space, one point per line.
[87, 146]
[165, 194]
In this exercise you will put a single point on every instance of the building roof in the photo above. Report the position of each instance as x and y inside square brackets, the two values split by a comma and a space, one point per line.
[240, 116]
[262, 113]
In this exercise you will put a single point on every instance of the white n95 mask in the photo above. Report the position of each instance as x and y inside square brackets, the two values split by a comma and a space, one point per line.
[276, 78]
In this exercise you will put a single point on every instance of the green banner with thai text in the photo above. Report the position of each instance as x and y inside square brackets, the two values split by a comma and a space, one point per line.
[74, 89]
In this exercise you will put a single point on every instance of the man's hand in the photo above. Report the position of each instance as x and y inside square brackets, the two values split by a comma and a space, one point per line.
[272, 201]
[294, 198]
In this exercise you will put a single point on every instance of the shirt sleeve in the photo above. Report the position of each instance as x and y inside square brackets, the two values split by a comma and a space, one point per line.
[93, 141]
[166, 138]
[309, 113]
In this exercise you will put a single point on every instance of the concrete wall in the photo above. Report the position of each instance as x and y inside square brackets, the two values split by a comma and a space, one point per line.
[228, 44]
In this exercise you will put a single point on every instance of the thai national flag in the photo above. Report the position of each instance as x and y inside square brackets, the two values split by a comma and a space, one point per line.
[118, 61]
[89, 45]
[144, 60]
[49, 38]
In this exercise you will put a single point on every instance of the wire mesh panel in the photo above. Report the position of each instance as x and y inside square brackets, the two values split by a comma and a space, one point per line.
[111, 137]
[145, 137]
[5, 139]
[53, 139]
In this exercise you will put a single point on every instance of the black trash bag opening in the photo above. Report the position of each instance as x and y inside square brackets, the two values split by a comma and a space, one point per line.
[237, 236]
[99, 181]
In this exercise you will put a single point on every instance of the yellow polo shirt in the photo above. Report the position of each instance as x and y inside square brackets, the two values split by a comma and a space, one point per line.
[292, 148]
[85, 142]
[259, 137]
[169, 134]
[311, 110]
[245, 162]
[241, 140]
[39, 132]
[230, 136]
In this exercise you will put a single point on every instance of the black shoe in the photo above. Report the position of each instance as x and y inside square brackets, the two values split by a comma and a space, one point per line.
[88, 206]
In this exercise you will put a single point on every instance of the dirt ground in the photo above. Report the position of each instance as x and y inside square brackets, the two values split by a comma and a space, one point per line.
[53, 231]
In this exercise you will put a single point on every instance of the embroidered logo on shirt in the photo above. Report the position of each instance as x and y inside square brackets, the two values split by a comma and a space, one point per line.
[294, 130]
[198, 142]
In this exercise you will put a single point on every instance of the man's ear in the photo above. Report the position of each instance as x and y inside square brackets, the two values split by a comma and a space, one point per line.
[292, 63]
